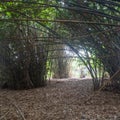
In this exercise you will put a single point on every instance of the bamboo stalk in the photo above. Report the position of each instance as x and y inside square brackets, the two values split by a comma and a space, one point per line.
[61, 21]
[117, 73]
[98, 91]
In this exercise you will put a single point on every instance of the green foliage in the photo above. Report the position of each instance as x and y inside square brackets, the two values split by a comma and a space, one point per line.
[101, 41]
[97, 34]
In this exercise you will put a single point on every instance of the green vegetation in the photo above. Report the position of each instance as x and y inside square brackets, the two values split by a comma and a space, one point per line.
[34, 35]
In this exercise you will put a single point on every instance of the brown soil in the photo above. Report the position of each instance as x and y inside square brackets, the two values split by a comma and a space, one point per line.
[60, 100]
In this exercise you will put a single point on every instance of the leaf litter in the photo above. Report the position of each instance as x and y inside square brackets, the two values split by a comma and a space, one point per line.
[61, 99]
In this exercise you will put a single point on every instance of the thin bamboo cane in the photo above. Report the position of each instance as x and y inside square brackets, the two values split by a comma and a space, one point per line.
[61, 21]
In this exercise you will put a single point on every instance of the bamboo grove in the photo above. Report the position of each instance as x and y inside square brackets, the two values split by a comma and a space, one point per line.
[34, 36]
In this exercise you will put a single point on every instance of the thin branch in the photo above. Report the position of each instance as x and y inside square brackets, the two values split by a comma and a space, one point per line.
[2, 117]
[18, 109]
[61, 21]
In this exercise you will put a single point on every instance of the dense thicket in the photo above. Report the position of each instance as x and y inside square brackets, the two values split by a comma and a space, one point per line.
[95, 29]
[23, 61]
[91, 26]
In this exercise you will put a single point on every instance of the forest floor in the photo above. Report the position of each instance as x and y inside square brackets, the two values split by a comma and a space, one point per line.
[60, 100]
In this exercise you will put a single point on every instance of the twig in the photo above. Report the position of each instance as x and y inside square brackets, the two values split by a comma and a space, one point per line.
[17, 108]
[2, 117]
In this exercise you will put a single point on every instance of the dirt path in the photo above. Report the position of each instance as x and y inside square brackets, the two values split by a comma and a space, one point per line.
[60, 100]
